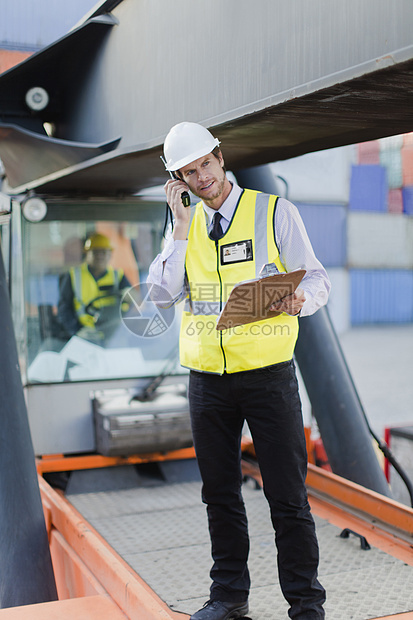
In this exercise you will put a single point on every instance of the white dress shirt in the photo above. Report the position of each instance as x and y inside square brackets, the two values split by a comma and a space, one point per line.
[167, 271]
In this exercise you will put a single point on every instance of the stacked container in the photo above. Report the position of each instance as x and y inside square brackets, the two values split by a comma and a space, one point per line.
[391, 157]
[380, 232]
[407, 172]
[357, 206]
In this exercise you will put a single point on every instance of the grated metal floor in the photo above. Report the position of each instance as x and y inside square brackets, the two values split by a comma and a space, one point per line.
[161, 531]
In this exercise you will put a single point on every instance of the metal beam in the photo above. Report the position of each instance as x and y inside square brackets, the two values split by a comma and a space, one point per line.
[284, 79]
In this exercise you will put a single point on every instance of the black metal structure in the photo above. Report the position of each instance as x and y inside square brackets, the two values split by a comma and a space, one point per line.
[336, 405]
[27, 575]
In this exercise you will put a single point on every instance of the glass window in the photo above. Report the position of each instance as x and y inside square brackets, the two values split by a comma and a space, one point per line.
[87, 309]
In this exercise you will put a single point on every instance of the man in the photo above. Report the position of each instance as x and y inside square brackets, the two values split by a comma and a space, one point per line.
[241, 374]
[90, 294]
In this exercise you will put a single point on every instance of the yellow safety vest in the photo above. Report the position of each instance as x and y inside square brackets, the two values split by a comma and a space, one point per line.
[85, 288]
[212, 269]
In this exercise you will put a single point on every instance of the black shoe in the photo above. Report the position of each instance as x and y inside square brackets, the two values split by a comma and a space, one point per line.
[216, 610]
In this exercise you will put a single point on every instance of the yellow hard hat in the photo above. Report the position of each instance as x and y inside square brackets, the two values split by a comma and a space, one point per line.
[98, 242]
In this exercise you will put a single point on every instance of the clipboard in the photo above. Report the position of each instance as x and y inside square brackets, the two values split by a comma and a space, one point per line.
[249, 301]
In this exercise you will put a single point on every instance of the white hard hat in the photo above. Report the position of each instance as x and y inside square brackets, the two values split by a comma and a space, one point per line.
[186, 142]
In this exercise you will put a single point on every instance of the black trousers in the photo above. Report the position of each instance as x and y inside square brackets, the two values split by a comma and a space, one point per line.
[268, 399]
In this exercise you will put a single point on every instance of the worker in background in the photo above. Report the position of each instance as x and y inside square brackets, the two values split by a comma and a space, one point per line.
[90, 294]
[119, 234]
[242, 374]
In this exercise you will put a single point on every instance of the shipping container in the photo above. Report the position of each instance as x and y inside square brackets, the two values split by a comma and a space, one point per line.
[407, 164]
[381, 296]
[391, 143]
[326, 227]
[391, 160]
[376, 240]
[368, 188]
[408, 139]
[368, 152]
[395, 201]
[408, 200]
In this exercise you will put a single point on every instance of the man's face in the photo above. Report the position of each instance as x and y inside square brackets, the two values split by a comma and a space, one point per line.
[206, 178]
[98, 259]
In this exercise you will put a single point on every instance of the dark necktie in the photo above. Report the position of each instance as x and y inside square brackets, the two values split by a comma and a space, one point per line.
[216, 231]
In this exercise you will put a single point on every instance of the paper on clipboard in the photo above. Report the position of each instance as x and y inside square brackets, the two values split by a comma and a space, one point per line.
[249, 301]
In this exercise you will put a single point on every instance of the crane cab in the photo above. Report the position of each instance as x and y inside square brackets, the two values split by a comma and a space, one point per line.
[68, 375]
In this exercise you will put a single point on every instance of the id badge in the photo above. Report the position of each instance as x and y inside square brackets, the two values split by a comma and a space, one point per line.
[238, 252]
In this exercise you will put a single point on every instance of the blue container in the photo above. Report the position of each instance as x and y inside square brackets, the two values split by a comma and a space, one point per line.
[391, 159]
[408, 200]
[326, 227]
[381, 296]
[368, 188]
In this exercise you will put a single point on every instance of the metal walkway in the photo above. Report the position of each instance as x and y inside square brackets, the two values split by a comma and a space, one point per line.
[160, 529]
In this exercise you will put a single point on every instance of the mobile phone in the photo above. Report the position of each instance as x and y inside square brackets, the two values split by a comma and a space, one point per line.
[186, 201]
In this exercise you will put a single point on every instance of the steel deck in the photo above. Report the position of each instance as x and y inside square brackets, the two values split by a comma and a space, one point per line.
[160, 530]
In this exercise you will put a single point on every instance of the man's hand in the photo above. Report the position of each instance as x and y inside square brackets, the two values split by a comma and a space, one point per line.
[173, 191]
[291, 304]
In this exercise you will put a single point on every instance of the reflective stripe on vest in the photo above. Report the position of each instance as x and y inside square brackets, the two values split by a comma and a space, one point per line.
[245, 347]
[86, 288]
